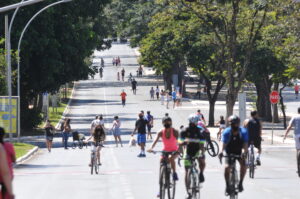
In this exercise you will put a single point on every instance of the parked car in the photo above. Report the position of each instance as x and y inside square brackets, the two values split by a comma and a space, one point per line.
[190, 76]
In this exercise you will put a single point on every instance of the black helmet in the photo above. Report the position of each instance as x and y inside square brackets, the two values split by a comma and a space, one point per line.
[166, 119]
[234, 119]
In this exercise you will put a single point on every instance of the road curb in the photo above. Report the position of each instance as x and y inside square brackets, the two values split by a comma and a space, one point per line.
[67, 107]
[27, 155]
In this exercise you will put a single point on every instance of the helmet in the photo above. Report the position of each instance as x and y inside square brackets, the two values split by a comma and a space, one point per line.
[166, 119]
[234, 119]
[193, 118]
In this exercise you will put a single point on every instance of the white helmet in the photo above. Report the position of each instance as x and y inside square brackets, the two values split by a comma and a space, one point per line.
[193, 118]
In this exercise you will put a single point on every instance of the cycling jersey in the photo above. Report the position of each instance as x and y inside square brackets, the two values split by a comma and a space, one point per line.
[194, 133]
[234, 142]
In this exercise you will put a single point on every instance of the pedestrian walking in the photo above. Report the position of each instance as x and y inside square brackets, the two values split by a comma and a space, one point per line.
[66, 132]
[296, 88]
[49, 133]
[119, 61]
[157, 92]
[167, 98]
[162, 96]
[6, 191]
[150, 120]
[123, 74]
[222, 126]
[152, 93]
[118, 76]
[101, 72]
[113, 61]
[140, 128]
[95, 123]
[198, 94]
[133, 85]
[116, 131]
[174, 97]
[102, 62]
[140, 71]
[123, 97]
[201, 116]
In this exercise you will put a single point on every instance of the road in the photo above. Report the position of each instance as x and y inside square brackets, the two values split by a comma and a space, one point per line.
[64, 174]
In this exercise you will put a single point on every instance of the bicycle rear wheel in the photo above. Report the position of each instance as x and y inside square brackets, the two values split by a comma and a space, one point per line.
[251, 164]
[74, 145]
[162, 182]
[195, 186]
[212, 148]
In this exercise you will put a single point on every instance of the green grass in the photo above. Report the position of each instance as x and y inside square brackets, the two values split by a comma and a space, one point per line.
[22, 148]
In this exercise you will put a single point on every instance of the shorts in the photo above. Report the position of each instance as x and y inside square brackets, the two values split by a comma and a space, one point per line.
[297, 141]
[187, 159]
[141, 138]
[256, 142]
[123, 101]
[49, 138]
[230, 161]
[222, 126]
[296, 92]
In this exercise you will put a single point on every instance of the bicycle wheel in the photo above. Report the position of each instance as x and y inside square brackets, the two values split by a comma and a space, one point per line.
[212, 148]
[195, 186]
[251, 164]
[80, 145]
[92, 164]
[96, 166]
[162, 182]
[232, 184]
[171, 185]
[74, 145]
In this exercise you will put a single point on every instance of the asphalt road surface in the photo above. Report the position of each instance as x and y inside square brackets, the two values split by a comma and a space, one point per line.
[64, 174]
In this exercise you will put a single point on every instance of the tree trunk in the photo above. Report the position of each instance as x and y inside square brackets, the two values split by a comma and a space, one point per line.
[211, 121]
[282, 106]
[40, 102]
[230, 101]
[167, 81]
[263, 102]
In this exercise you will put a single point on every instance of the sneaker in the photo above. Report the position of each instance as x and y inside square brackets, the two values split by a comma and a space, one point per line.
[201, 178]
[140, 155]
[241, 188]
[188, 196]
[175, 176]
[99, 164]
[143, 155]
[258, 163]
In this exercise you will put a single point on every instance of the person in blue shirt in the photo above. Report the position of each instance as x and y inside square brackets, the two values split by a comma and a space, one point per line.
[174, 97]
[234, 142]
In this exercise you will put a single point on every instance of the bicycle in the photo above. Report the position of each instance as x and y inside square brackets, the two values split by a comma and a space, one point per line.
[233, 176]
[166, 182]
[94, 165]
[193, 183]
[251, 161]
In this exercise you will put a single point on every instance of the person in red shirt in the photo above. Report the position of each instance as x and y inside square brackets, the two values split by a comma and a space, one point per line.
[123, 97]
[296, 90]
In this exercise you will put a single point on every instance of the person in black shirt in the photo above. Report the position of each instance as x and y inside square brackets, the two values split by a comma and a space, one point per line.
[49, 131]
[192, 139]
[140, 128]
[133, 85]
[253, 125]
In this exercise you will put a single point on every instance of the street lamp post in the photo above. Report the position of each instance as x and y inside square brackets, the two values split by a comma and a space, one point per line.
[19, 50]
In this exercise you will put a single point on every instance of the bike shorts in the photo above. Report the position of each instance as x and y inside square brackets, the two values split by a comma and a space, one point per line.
[256, 143]
[187, 159]
[297, 141]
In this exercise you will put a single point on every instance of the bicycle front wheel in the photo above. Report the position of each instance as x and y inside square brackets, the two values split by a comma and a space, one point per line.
[233, 180]
[251, 165]
[162, 182]
[212, 148]
[171, 185]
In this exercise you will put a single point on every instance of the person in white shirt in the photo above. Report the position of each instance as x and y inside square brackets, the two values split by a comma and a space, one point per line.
[95, 123]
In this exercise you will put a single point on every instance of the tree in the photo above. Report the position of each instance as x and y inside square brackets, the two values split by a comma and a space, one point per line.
[55, 47]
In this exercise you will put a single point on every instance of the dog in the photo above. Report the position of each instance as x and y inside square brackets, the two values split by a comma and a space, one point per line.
[132, 142]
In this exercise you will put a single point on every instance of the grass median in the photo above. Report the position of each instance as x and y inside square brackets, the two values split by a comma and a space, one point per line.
[22, 148]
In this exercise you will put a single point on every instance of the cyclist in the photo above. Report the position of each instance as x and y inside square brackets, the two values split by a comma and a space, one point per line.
[98, 136]
[201, 116]
[254, 128]
[169, 137]
[234, 140]
[295, 121]
[193, 140]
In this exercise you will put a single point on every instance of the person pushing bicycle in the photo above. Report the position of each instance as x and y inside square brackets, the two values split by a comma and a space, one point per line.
[234, 141]
[192, 139]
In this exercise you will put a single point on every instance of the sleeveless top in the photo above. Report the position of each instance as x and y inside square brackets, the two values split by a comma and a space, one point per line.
[170, 144]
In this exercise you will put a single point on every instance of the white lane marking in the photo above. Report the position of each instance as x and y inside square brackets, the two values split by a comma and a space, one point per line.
[124, 182]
